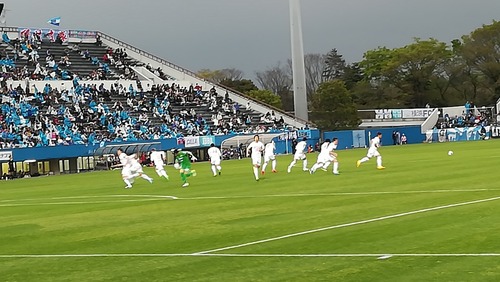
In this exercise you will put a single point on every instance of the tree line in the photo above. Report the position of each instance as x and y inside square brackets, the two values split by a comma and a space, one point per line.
[424, 72]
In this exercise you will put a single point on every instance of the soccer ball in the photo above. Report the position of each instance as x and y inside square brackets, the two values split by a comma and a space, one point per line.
[177, 166]
[450, 153]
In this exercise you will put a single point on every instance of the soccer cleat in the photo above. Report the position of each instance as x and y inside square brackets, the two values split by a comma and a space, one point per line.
[262, 172]
[219, 172]
[324, 169]
[185, 185]
[275, 171]
[215, 175]
[311, 171]
[166, 177]
[193, 173]
[289, 170]
[380, 167]
[128, 186]
[336, 173]
[305, 169]
[150, 180]
[358, 163]
[256, 179]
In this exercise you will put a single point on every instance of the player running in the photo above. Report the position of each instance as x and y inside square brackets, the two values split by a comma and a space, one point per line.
[215, 158]
[256, 148]
[183, 160]
[332, 157]
[299, 155]
[158, 158]
[269, 156]
[373, 152]
[131, 168]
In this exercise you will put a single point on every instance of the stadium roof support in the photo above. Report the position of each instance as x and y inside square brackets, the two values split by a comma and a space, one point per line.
[247, 139]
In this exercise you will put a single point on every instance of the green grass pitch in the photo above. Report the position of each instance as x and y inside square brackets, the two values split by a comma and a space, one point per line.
[426, 217]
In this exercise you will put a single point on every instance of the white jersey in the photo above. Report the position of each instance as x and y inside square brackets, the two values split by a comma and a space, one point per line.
[124, 160]
[256, 148]
[300, 147]
[269, 150]
[331, 147]
[324, 148]
[157, 157]
[375, 143]
[214, 153]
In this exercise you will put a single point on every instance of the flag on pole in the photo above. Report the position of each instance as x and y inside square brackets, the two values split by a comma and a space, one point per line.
[55, 21]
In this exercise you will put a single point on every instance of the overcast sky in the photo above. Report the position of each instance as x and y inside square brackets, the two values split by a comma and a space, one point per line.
[252, 35]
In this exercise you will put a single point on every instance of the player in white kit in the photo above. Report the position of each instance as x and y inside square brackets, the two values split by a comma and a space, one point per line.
[254, 150]
[136, 169]
[131, 168]
[126, 165]
[299, 155]
[158, 158]
[269, 156]
[373, 152]
[327, 156]
[215, 158]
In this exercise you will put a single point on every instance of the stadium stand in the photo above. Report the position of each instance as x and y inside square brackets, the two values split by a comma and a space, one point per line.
[150, 105]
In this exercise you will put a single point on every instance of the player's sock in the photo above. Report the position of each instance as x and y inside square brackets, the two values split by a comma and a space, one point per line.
[127, 182]
[365, 159]
[264, 166]
[164, 174]
[183, 177]
[335, 167]
[304, 165]
[158, 171]
[144, 176]
[325, 165]
[213, 170]
[274, 165]
[219, 168]
[256, 173]
[379, 161]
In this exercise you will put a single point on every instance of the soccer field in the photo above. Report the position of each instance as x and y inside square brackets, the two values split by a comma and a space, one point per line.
[426, 217]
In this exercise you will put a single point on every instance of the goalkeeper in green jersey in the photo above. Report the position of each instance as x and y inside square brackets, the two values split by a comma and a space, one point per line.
[183, 163]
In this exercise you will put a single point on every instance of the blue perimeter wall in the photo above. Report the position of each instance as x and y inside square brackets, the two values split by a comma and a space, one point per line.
[346, 137]
[346, 141]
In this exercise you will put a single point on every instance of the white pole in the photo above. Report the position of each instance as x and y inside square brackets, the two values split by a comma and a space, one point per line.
[298, 68]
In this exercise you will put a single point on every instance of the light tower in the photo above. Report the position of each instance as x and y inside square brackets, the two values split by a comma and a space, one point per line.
[298, 68]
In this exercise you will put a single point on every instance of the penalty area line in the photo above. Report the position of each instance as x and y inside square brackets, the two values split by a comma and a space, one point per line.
[349, 224]
[378, 256]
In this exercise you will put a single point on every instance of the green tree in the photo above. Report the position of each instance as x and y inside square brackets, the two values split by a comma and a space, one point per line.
[241, 85]
[332, 107]
[266, 96]
[481, 51]
[334, 65]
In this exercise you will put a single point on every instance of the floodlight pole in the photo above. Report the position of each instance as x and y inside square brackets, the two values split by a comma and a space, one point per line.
[298, 67]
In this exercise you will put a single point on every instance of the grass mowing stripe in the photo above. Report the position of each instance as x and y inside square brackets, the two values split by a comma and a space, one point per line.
[387, 255]
[350, 224]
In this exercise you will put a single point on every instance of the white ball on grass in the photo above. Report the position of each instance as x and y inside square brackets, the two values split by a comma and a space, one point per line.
[177, 166]
[450, 153]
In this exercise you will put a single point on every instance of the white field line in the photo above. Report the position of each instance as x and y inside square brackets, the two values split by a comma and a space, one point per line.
[350, 224]
[337, 194]
[36, 256]
[256, 196]
[78, 202]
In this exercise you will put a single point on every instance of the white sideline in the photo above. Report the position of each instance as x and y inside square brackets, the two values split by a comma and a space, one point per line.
[349, 224]
[249, 255]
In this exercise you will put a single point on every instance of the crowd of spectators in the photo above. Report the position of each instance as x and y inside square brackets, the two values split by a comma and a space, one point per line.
[90, 114]
[39, 62]
[470, 117]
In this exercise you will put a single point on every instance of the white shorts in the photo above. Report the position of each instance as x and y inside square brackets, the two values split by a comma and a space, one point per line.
[373, 153]
[323, 158]
[215, 161]
[136, 168]
[268, 158]
[299, 156]
[256, 160]
[126, 172]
